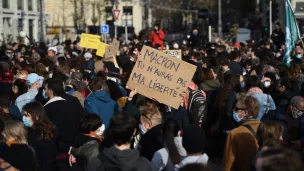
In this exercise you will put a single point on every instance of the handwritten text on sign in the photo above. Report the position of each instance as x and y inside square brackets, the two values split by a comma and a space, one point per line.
[89, 41]
[161, 77]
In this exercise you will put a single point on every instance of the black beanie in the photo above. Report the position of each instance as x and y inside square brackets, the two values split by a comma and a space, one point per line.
[20, 156]
[194, 139]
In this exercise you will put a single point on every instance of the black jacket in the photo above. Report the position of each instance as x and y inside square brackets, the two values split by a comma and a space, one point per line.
[45, 151]
[151, 142]
[278, 37]
[65, 114]
[112, 159]
[236, 68]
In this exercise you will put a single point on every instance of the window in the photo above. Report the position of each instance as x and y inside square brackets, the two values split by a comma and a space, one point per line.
[127, 10]
[31, 26]
[20, 4]
[30, 5]
[5, 3]
[109, 15]
[128, 15]
[20, 25]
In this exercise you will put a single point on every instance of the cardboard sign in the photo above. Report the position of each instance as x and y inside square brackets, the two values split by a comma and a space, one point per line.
[112, 49]
[161, 77]
[101, 49]
[174, 53]
[89, 41]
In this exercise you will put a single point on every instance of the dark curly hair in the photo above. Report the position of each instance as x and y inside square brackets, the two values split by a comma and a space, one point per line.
[42, 125]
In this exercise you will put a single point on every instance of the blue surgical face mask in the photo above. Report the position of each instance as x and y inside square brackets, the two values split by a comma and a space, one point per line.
[236, 117]
[27, 122]
[299, 56]
[143, 130]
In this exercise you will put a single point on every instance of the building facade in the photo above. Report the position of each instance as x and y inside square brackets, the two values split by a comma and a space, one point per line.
[19, 15]
[78, 14]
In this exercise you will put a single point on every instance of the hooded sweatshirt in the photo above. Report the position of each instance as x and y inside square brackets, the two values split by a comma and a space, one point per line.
[114, 159]
[101, 104]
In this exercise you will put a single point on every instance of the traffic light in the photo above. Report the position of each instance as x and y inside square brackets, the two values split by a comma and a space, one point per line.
[275, 12]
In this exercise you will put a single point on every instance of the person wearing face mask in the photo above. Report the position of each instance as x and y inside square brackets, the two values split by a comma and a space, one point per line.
[269, 83]
[293, 122]
[150, 137]
[34, 82]
[41, 135]
[241, 143]
[118, 154]
[86, 143]
[195, 38]
[157, 37]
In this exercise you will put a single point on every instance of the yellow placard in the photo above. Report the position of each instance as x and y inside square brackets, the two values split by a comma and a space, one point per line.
[101, 49]
[89, 41]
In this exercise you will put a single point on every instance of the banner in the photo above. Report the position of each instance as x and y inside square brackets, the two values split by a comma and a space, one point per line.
[292, 33]
[112, 49]
[101, 49]
[174, 53]
[89, 41]
[161, 77]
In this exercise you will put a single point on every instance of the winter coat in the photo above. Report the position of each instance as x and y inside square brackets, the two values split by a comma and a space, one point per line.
[45, 151]
[151, 142]
[209, 85]
[157, 38]
[65, 113]
[240, 147]
[101, 104]
[161, 159]
[114, 159]
[85, 149]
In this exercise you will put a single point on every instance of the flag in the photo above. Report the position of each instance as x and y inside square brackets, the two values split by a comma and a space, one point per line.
[292, 32]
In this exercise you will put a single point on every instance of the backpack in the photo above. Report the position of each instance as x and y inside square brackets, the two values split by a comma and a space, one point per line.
[107, 165]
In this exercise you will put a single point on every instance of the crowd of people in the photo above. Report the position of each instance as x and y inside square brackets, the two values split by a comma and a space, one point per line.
[65, 109]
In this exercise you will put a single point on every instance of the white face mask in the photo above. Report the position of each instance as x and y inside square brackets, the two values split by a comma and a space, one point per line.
[143, 130]
[101, 130]
[50, 75]
[266, 84]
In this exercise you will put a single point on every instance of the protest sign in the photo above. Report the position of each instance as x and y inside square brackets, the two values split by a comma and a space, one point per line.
[112, 49]
[89, 41]
[101, 49]
[161, 77]
[174, 53]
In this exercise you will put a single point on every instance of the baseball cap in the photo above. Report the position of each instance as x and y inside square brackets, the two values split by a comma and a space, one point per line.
[53, 49]
[20, 156]
[33, 77]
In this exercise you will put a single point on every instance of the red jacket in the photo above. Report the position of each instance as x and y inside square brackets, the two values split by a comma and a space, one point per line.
[157, 38]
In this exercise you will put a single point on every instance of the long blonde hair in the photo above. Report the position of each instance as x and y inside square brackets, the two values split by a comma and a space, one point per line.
[15, 130]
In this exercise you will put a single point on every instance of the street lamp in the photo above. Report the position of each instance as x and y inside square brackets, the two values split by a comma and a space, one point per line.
[220, 19]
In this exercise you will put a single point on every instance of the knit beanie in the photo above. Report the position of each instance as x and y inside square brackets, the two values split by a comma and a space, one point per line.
[194, 139]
